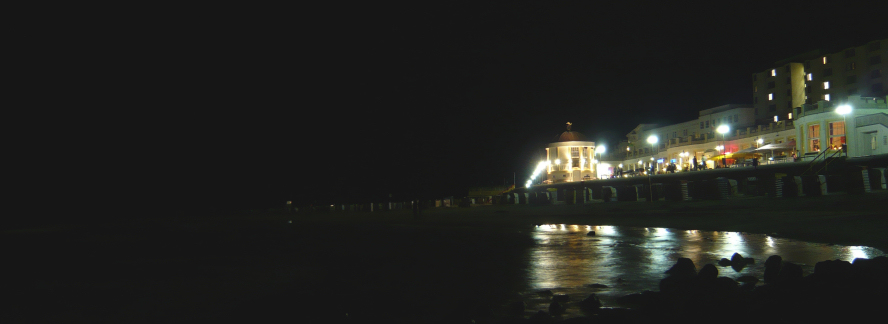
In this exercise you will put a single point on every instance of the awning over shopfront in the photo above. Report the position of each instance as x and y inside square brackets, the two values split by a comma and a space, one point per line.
[736, 156]
[787, 146]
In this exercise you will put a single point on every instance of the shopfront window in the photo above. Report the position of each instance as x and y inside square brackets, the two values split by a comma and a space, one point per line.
[814, 138]
[836, 134]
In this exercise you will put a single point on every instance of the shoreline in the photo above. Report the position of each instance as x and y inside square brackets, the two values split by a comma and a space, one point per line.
[834, 219]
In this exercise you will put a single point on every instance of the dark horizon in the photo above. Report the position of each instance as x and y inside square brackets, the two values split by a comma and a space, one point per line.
[355, 103]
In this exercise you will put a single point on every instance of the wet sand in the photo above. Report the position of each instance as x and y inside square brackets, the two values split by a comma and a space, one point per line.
[837, 218]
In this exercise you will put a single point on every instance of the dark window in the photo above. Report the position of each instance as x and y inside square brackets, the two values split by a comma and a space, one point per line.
[827, 72]
[736, 118]
[788, 80]
[755, 111]
[851, 79]
[707, 124]
[684, 132]
[755, 77]
[789, 105]
[788, 92]
[754, 99]
[807, 89]
[875, 74]
[850, 66]
[875, 60]
[849, 52]
[874, 46]
[771, 85]
[701, 125]
[772, 108]
[755, 89]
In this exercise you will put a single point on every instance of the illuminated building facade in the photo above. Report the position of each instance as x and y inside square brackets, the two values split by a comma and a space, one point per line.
[570, 158]
[863, 126]
[814, 76]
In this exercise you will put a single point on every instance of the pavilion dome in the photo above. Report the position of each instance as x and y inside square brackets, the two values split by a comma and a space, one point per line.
[569, 136]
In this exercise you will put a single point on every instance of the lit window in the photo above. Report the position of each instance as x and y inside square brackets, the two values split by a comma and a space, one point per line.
[775, 118]
[774, 72]
[810, 77]
[814, 138]
[824, 60]
[790, 116]
[826, 85]
[771, 96]
[826, 97]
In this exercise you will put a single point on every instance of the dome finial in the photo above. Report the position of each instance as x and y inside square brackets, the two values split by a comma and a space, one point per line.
[568, 126]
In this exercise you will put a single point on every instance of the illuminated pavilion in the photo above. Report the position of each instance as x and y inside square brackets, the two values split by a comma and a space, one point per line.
[570, 158]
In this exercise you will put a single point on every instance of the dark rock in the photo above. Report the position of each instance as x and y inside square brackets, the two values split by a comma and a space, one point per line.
[516, 309]
[832, 271]
[561, 298]
[708, 272]
[683, 268]
[590, 304]
[724, 262]
[737, 259]
[540, 317]
[790, 273]
[725, 285]
[592, 233]
[556, 308]
[772, 268]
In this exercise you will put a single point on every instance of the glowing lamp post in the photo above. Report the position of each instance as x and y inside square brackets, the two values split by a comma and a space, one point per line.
[653, 140]
[599, 150]
[844, 110]
[723, 129]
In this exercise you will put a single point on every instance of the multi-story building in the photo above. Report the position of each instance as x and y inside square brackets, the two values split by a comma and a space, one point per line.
[863, 128]
[814, 76]
[684, 141]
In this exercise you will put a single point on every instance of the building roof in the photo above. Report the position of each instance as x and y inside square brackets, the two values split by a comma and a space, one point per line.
[569, 136]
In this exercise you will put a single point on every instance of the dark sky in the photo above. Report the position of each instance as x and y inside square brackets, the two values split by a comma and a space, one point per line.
[351, 102]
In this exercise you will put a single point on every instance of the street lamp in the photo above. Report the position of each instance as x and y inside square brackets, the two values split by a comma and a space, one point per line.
[653, 140]
[723, 129]
[844, 110]
[599, 150]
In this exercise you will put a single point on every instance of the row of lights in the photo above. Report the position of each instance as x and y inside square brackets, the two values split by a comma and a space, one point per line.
[544, 164]
[653, 139]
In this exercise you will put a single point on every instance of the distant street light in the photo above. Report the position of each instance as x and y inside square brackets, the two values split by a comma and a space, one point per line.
[844, 110]
[723, 129]
[599, 150]
[653, 140]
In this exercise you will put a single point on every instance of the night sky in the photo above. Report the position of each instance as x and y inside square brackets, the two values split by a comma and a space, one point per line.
[348, 103]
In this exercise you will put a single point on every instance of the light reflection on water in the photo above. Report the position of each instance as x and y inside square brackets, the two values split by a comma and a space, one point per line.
[628, 260]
